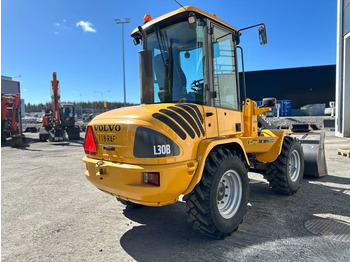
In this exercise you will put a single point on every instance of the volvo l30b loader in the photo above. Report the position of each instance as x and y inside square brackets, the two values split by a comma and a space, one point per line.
[191, 135]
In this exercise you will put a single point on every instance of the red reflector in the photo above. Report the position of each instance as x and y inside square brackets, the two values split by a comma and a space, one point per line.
[151, 178]
[147, 18]
[90, 145]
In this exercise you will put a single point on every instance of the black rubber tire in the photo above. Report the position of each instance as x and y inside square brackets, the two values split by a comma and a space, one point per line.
[73, 133]
[129, 204]
[278, 172]
[202, 202]
[42, 138]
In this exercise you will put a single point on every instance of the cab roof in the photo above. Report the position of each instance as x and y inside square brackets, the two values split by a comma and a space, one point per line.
[213, 17]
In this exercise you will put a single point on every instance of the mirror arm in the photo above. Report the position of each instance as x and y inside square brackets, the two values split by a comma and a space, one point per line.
[249, 27]
[262, 32]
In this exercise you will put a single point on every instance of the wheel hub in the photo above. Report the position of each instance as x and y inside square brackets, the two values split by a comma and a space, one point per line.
[229, 194]
[221, 191]
[294, 165]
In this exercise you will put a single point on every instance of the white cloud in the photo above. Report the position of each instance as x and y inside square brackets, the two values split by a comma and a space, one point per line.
[56, 33]
[86, 26]
[57, 24]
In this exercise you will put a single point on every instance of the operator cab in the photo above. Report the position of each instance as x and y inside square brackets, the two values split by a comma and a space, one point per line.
[68, 114]
[179, 49]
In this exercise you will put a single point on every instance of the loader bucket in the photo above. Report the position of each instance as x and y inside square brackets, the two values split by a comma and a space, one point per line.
[314, 156]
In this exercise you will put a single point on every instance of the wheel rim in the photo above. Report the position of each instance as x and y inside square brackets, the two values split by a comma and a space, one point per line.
[229, 194]
[294, 165]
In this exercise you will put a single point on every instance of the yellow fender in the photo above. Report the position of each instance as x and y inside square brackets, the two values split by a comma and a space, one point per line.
[204, 149]
[273, 153]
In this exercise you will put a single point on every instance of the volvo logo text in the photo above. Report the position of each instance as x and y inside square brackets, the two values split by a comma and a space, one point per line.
[107, 128]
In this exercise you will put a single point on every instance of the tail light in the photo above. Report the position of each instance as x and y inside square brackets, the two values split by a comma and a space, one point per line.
[90, 144]
[151, 178]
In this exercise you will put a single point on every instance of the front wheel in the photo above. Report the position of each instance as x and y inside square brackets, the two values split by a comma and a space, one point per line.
[217, 204]
[286, 172]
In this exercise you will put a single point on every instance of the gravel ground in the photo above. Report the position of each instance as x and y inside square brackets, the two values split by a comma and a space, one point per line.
[50, 212]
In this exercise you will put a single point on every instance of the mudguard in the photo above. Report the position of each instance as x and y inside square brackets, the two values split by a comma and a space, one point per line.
[203, 151]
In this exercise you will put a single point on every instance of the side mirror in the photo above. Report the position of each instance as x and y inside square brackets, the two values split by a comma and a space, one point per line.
[262, 35]
[268, 102]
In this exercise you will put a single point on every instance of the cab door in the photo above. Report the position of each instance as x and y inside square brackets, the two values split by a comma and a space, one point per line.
[225, 93]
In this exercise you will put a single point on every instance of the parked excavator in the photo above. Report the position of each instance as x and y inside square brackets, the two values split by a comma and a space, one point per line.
[195, 133]
[59, 120]
[10, 114]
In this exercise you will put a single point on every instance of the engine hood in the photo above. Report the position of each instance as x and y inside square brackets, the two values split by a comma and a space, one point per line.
[154, 134]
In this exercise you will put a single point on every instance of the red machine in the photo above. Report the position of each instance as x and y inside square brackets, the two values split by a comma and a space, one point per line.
[10, 120]
[58, 121]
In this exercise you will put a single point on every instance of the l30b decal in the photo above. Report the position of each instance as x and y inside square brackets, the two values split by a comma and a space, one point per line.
[161, 150]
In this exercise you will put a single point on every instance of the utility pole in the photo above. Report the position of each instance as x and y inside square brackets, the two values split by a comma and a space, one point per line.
[118, 21]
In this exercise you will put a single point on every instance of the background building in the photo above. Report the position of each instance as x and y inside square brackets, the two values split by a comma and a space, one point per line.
[9, 86]
[302, 85]
[342, 121]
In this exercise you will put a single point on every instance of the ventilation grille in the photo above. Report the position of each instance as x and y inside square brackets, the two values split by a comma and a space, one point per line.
[184, 119]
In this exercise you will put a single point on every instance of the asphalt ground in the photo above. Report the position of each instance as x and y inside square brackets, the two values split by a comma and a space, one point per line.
[51, 212]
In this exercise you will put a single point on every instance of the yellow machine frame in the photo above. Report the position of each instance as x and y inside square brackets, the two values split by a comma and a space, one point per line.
[193, 137]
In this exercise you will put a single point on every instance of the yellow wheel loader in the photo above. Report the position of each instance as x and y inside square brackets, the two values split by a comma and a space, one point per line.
[191, 135]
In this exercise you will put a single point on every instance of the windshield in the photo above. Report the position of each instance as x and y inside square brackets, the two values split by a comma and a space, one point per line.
[178, 62]
[67, 111]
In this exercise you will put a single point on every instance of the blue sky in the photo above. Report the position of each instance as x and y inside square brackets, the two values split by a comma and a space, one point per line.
[39, 37]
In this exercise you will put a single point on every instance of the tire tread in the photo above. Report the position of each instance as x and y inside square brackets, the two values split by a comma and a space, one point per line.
[276, 173]
[198, 200]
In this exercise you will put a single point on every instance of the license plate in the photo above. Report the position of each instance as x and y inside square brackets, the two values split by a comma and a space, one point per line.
[107, 138]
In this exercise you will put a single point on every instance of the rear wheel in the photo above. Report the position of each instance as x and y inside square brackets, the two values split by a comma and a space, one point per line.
[286, 172]
[218, 203]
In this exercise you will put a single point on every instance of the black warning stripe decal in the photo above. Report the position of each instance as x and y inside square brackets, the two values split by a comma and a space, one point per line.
[194, 115]
[188, 118]
[170, 123]
[180, 121]
[197, 111]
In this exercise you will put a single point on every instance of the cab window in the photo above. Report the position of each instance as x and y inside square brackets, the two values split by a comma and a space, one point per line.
[224, 67]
